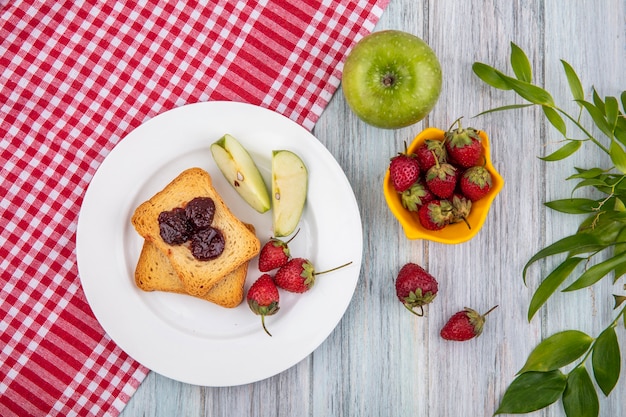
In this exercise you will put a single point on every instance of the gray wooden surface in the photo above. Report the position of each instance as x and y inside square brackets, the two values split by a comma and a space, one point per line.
[382, 361]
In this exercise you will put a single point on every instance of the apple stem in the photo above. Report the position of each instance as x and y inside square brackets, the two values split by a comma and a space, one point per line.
[333, 269]
[388, 80]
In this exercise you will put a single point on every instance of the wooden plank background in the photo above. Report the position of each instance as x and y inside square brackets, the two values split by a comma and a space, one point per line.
[382, 361]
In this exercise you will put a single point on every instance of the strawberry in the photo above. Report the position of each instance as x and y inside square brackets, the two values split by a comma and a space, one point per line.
[429, 152]
[463, 146]
[464, 325]
[274, 254]
[461, 207]
[417, 195]
[298, 275]
[475, 182]
[435, 215]
[441, 179]
[404, 170]
[263, 298]
[415, 287]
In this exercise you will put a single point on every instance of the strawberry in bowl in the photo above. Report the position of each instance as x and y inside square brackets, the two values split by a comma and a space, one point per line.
[449, 200]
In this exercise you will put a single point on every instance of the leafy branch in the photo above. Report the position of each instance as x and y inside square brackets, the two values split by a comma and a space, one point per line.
[600, 237]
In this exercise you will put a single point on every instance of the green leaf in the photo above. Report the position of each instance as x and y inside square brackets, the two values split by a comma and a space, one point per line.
[528, 91]
[520, 64]
[623, 100]
[563, 152]
[573, 205]
[549, 285]
[580, 398]
[574, 82]
[581, 242]
[606, 360]
[597, 272]
[532, 391]
[618, 156]
[587, 173]
[619, 249]
[490, 76]
[555, 119]
[612, 111]
[598, 101]
[556, 351]
[598, 117]
[509, 107]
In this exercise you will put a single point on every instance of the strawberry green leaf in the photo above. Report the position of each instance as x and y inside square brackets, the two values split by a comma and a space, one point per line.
[573, 81]
[573, 205]
[563, 152]
[618, 156]
[528, 91]
[597, 272]
[532, 391]
[549, 285]
[606, 360]
[582, 243]
[490, 76]
[520, 64]
[556, 351]
[580, 398]
[555, 119]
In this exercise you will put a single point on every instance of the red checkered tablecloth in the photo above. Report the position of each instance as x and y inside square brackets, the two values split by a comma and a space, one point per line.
[75, 78]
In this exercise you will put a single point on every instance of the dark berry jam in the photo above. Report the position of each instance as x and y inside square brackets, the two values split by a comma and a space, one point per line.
[200, 212]
[207, 244]
[174, 226]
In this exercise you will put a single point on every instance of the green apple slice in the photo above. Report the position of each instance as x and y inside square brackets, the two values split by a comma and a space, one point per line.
[241, 172]
[289, 190]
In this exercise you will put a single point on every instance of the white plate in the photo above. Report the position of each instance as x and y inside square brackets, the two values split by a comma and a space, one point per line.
[185, 338]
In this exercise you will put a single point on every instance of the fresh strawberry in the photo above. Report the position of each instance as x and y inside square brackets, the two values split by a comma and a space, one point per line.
[429, 153]
[404, 170]
[463, 145]
[435, 215]
[441, 179]
[475, 182]
[274, 254]
[298, 275]
[263, 298]
[415, 287]
[464, 325]
[461, 208]
[417, 195]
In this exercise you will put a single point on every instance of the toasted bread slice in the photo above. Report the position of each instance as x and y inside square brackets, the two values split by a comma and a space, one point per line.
[154, 272]
[197, 277]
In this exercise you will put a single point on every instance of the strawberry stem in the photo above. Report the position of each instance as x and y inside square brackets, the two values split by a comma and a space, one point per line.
[263, 324]
[490, 310]
[291, 238]
[333, 269]
[421, 312]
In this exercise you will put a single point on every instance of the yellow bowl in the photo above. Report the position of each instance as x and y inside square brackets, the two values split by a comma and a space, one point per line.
[453, 233]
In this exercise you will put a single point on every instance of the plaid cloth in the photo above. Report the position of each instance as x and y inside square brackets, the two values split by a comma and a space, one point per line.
[76, 77]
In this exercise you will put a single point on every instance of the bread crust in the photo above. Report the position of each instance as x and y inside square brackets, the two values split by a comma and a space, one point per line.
[197, 277]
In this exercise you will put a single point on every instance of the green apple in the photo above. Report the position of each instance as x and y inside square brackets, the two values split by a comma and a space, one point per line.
[241, 172]
[391, 79]
[289, 189]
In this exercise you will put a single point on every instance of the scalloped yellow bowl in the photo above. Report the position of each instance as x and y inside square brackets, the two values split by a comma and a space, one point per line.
[453, 233]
